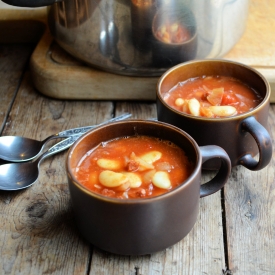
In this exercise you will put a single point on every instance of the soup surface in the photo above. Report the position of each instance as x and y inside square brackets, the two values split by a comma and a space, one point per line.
[133, 167]
[212, 96]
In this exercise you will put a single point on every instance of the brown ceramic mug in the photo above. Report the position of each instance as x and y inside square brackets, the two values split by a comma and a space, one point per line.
[145, 225]
[242, 136]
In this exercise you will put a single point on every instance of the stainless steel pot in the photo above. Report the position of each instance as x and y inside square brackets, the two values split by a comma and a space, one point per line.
[122, 36]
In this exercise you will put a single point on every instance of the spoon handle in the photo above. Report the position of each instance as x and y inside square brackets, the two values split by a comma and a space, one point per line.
[66, 143]
[82, 130]
[59, 147]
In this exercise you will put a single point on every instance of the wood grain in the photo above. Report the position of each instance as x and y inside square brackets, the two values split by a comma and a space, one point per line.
[13, 58]
[256, 46]
[250, 217]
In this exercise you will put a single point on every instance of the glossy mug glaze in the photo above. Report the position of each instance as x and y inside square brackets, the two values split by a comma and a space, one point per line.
[145, 225]
[242, 136]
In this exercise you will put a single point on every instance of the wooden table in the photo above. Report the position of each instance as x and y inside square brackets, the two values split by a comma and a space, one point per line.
[234, 233]
[235, 230]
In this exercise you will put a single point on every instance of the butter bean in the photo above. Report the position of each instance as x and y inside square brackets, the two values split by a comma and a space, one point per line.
[161, 180]
[112, 179]
[194, 106]
[223, 110]
[134, 179]
[142, 164]
[108, 164]
[179, 102]
[151, 157]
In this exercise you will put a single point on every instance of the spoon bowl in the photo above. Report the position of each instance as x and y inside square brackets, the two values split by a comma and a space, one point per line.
[17, 149]
[17, 176]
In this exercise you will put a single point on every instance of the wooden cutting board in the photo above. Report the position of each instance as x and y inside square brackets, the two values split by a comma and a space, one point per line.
[57, 74]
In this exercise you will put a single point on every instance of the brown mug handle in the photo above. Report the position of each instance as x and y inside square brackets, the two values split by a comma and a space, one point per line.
[215, 184]
[263, 140]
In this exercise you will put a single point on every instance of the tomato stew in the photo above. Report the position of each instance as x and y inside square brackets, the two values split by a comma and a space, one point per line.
[134, 167]
[212, 96]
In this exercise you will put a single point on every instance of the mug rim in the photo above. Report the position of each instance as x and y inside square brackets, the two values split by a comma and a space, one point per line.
[197, 169]
[230, 118]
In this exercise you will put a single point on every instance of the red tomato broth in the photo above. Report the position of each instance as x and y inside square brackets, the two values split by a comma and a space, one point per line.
[88, 171]
[228, 91]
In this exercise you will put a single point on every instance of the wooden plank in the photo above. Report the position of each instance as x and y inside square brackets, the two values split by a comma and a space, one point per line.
[44, 116]
[249, 195]
[13, 59]
[201, 252]
[37, 232]
[256, 46]
[74, 80]
[250, 217]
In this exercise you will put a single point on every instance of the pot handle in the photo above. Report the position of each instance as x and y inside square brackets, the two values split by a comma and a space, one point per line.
[31, 3]
[263, 140]
[215, 184]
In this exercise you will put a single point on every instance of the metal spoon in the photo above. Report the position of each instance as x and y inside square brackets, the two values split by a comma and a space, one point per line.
[17, 176]
[19, 149]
